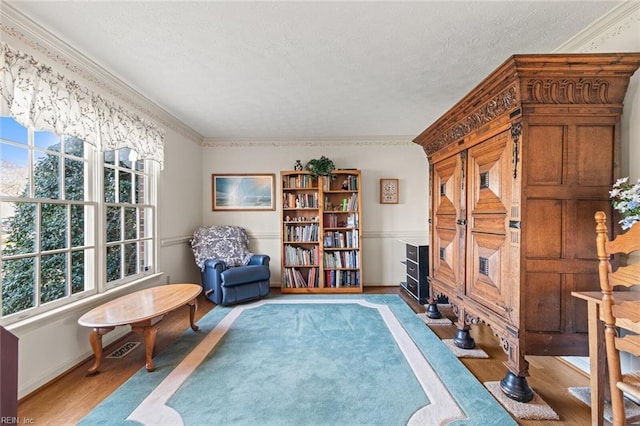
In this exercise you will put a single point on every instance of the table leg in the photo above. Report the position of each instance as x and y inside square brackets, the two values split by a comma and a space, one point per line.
[597, 367]
[95, 340]
[148, 330]
[193, 307]
[149, 342]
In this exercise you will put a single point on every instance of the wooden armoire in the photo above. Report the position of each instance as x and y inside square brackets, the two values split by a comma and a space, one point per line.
[518, 168]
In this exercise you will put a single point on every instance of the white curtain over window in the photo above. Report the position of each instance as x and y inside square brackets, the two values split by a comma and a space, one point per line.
[36, 96]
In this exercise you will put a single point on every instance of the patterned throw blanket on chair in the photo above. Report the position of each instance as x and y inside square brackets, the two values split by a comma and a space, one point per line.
[227, 243]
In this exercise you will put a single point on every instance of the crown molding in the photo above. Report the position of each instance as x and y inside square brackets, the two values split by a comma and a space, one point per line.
[309, 142]
[620, 19]
[15, 25]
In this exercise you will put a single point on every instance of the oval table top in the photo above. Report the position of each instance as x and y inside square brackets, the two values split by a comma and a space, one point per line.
[140, 305]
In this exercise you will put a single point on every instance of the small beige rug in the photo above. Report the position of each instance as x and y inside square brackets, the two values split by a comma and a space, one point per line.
[536, 409]
[464, 353]
[632, 410]
[433, 321]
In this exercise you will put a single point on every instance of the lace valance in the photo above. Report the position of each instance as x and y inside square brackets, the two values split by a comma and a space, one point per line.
[36, 96]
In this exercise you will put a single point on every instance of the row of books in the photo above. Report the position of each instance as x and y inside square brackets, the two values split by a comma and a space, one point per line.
[294, 278]
[299, 181]
[341, 259]
[300, 201]
[300, 256]
[338, 239]
[332, 220]
[335, 278]
[350, 183]
[307, 233]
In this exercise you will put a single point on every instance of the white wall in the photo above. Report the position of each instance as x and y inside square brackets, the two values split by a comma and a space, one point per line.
[179, 208]
[53, 343]
[382, 224]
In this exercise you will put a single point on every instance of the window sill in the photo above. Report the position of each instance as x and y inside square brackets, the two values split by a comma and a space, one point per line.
[80, 306]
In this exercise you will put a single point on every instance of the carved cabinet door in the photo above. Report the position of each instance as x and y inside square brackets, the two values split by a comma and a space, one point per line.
[489, 189]
[447, 251]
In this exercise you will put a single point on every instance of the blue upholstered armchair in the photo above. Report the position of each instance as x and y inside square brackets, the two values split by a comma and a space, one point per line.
[230, 272]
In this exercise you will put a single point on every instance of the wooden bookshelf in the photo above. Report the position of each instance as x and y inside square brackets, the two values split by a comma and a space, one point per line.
[321, 237]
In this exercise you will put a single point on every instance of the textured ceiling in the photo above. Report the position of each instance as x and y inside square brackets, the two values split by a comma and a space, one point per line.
[308, 69]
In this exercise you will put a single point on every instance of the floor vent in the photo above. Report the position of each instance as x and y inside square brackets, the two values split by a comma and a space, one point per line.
[123, 350]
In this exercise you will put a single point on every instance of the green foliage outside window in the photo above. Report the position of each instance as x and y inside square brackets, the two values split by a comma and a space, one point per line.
[18, 292]
[18, 275]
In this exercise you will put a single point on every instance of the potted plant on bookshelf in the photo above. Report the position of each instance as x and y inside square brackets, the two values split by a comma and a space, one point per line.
[321, 167]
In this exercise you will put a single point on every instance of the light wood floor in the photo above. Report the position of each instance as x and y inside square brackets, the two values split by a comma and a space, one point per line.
[70, 397]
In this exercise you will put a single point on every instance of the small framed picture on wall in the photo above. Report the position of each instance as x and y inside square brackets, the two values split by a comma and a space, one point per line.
[389, 191]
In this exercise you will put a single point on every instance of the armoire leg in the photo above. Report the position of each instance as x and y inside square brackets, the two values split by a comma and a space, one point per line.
[516, 387]
[432, 311]
[463, 339]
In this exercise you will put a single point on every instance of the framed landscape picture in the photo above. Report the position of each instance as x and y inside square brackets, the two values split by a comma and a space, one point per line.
[243, 192]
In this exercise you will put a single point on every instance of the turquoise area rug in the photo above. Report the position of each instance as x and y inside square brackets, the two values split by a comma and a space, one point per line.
[305, 360]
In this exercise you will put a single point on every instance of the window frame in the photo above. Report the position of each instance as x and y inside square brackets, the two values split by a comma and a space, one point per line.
[152, 174]
[95, 240]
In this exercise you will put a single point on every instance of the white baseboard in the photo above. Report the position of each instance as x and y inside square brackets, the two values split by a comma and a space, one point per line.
[56, 371]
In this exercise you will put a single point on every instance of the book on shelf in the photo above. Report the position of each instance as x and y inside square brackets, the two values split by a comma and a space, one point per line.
[302, 233]
[353, 203]
[341, 239]
[299, 280]
[299, 256]
[299, 181]
[294, 278]
[341, 259]
[300, 201]
[337, 279]
[350, 183]
[326, 183]
[312, 277]
[346, 204]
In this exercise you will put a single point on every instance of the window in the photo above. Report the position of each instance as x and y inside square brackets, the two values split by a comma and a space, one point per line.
[73, 221]
[129, 216]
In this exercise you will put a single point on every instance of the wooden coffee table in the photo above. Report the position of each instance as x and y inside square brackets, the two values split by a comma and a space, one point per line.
[142, 310]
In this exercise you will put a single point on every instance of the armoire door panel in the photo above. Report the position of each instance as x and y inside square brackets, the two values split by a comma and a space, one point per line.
[446, 186]
[487, 272]
[582, 244]
[489, 165]
[545, 164]
[543, 230]
[445, 258]
[543, 302]
[445, 221]
[577, 316]
[488, 223]
[595, 149]
[445, 206]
